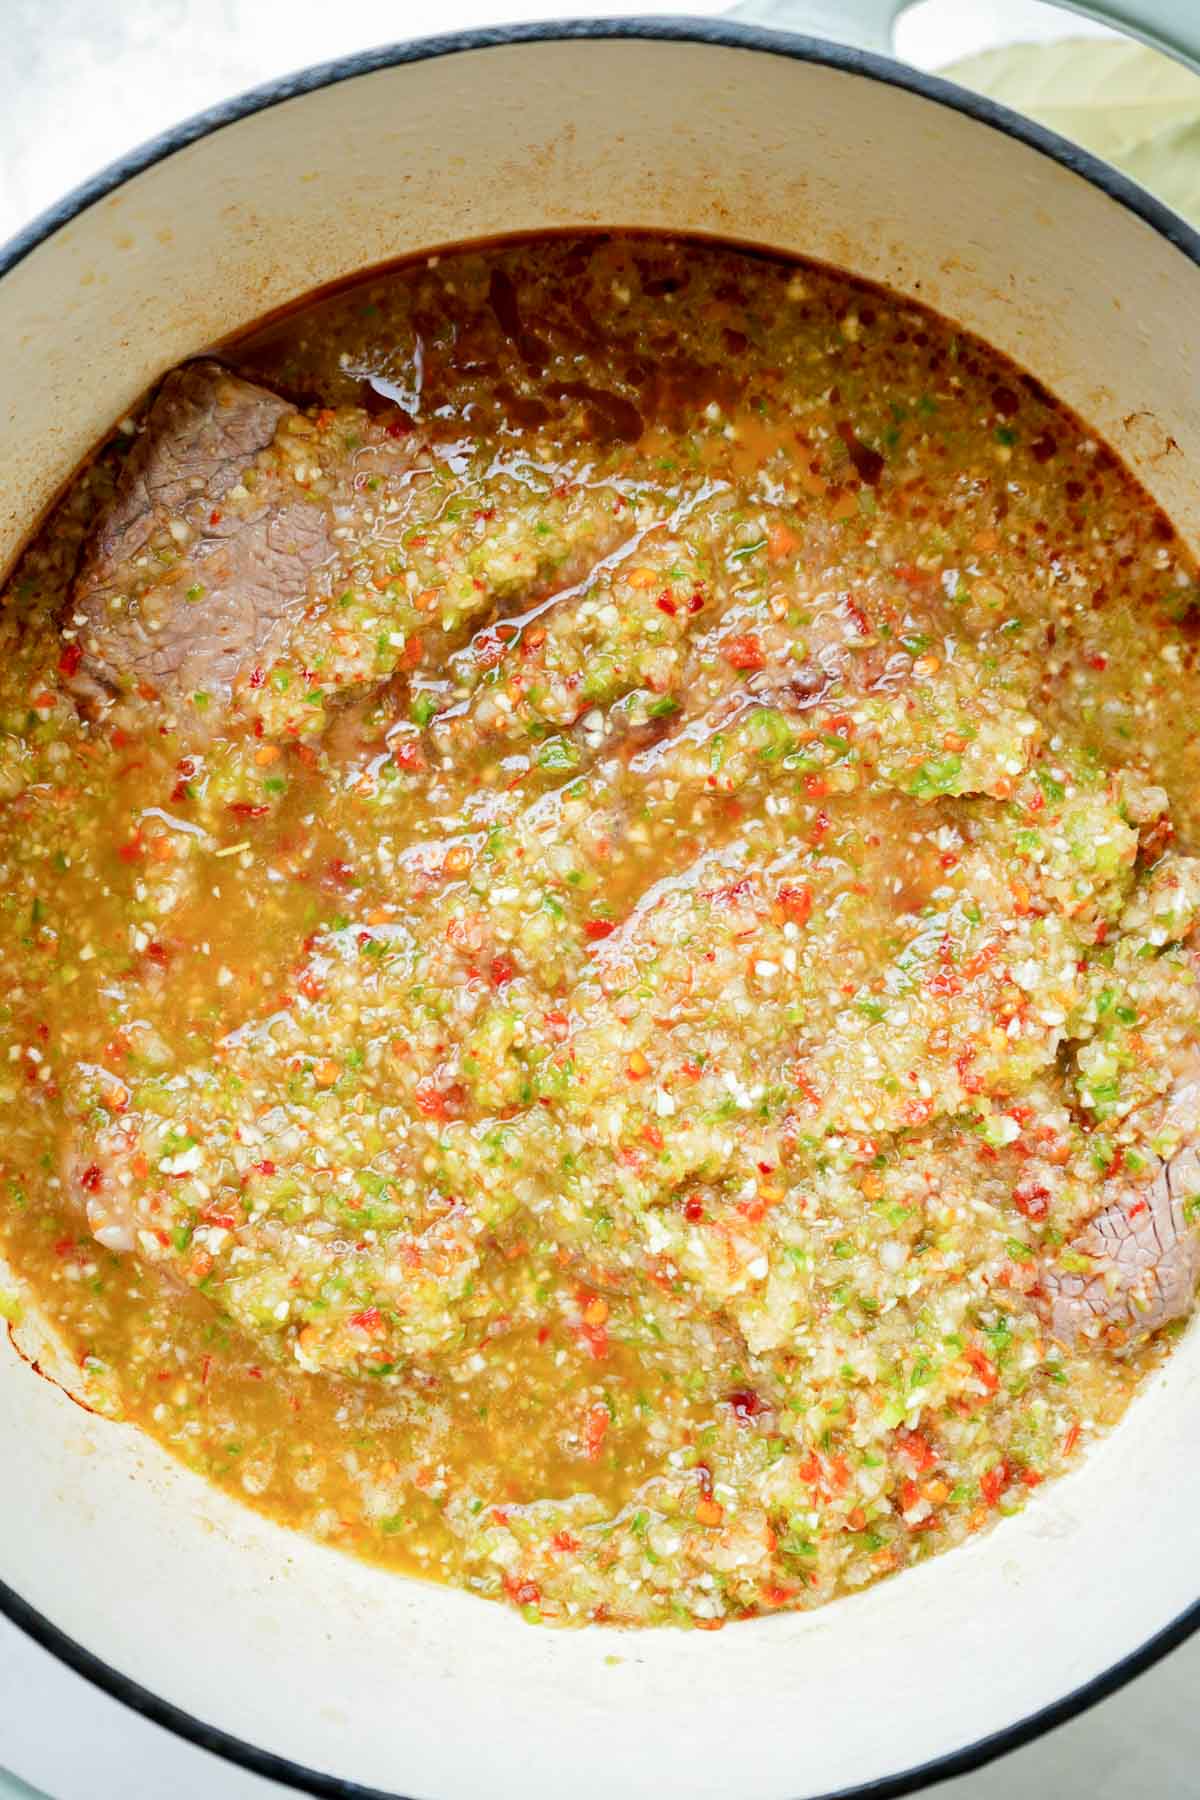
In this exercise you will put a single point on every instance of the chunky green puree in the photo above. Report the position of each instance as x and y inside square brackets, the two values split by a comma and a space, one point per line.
[582, 1083]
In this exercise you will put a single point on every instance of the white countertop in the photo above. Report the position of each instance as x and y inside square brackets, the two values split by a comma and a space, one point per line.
[85, 80]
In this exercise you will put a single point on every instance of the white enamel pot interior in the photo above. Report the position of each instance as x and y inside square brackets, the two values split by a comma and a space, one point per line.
[268, 1647]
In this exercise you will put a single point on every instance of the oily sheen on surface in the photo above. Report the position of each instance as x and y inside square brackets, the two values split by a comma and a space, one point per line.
[598, 894]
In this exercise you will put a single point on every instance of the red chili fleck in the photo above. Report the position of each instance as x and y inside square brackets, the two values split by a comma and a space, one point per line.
[693, 1209]
[1032, 1200]
[257, 677]
[797, 903]
[265, 1168]
[918, 1450]
[595, 1431]
[746, 1404]
[408, 756]
[91, 1179]
[598, 928]
[665, 604]
[944, 981]
[564, 1540]
[754, 1210]
[245, 809]
[858, 614]
[501, 971]
[868, 463]
[70, 659]
[413, 650]
[912, 576]
[984, 1367]
[370, 1319]
[993, 1484]
[806, 1086]
[745, 651]
[488, 649]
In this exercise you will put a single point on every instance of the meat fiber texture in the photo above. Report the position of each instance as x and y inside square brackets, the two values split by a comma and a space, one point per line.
[191, 575]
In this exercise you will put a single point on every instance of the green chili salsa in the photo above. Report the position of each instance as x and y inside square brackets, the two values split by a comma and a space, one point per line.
[582, 1081]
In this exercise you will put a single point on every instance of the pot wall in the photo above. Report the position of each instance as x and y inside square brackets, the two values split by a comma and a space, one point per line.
[674, 136]
[419, 1690]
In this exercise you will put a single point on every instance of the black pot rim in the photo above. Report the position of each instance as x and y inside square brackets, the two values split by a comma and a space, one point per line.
[726, 34]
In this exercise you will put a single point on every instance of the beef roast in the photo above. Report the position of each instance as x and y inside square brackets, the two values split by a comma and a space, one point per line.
[1144, 1246]
[238, 519]
[192, 574]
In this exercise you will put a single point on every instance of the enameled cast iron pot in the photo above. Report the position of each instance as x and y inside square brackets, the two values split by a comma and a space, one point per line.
[291, 1658]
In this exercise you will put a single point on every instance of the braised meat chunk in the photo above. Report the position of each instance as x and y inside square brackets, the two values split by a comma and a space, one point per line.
[203, 557]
